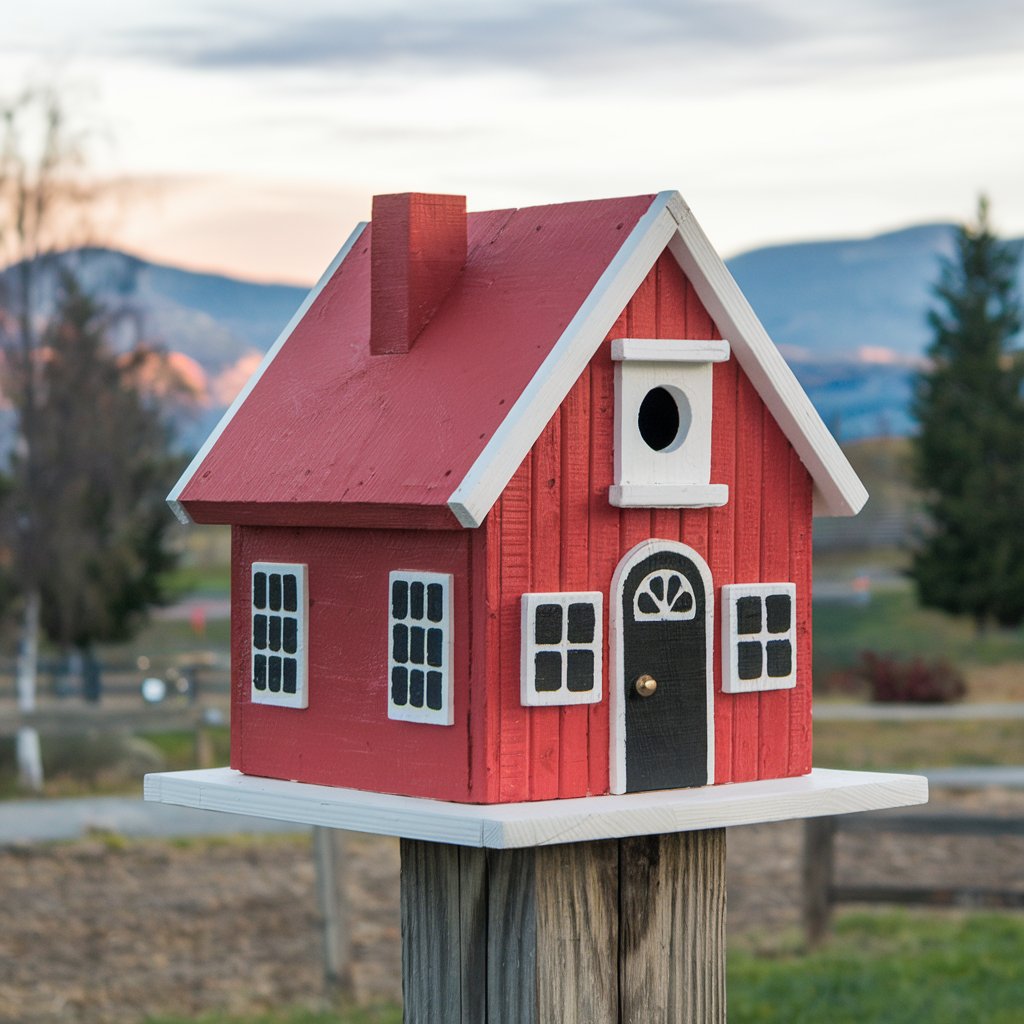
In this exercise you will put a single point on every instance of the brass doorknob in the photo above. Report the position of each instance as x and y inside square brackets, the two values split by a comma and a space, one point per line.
[646, 685]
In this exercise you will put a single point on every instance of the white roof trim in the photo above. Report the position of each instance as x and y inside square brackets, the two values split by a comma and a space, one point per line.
[838, 490]
[510, 443]
[172, 499]
[667, 223]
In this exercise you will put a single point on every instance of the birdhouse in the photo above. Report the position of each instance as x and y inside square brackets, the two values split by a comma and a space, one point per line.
[521, 507]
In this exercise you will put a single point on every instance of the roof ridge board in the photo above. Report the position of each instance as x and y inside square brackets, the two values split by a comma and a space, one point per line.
[173, 498]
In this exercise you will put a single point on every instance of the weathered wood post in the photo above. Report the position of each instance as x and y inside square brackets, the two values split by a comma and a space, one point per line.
[604, 910]
[628, 930]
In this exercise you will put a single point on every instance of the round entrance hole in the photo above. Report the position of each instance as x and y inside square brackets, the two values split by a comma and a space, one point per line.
[664, 418]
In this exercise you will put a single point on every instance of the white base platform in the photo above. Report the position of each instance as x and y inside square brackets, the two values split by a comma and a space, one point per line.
[502, 826]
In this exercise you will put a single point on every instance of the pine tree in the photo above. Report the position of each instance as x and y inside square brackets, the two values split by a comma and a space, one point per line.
[102, 462]
[969, 452]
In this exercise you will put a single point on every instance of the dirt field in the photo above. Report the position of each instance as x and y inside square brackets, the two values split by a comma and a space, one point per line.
[103, 931]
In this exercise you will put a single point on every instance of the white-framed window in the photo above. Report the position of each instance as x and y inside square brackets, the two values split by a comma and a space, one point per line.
[280, 626]
[420, 647]
[758, 637]
[663, 423]
[561, 649]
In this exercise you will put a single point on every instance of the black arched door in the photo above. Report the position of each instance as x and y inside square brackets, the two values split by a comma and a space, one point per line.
[664, 659]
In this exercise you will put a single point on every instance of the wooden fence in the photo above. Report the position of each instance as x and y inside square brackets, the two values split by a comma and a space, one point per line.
[821, 892]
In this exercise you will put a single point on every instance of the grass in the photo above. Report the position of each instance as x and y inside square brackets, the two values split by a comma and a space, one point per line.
[893, 622]
[902, 746]
[108, 765]
[889, 968]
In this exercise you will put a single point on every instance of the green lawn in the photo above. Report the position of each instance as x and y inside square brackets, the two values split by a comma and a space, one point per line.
[903, 746]
[891, 968]
[882, 968]
[892, 622]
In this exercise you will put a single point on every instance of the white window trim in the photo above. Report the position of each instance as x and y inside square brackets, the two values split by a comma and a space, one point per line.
[731, 638]
[445, 715]
[528, 693]
[299, 699]
[678, 476]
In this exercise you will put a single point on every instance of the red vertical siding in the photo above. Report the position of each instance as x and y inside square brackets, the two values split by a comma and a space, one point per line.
[636, 524]
[748, 500]
[603, 531]
[722, 544]
[545, 576]
[800, 525]
[484, 657]
[241, 624]
[557, 531]
[344, 737]
[574, 560]
[514, 738]
[773, 752]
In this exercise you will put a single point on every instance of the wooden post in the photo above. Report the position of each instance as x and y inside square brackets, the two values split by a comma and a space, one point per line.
[610, 932]
[329, 858]
[819, 857]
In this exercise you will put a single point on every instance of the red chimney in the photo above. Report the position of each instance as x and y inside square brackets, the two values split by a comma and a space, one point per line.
[418, 248]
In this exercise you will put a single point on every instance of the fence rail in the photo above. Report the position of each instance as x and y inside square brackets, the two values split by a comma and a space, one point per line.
[821, 893]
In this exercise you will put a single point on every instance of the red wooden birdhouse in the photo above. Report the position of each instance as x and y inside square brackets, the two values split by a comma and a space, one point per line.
[521, 509]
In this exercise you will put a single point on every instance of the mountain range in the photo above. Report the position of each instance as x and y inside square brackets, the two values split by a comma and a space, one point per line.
[848, 315]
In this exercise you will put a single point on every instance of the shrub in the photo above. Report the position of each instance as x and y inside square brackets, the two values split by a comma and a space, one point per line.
[917, 679]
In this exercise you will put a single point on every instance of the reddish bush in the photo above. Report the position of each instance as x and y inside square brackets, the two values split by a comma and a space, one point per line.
[915, 680]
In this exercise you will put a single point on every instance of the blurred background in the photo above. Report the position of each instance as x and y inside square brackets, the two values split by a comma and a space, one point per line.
[174, 178]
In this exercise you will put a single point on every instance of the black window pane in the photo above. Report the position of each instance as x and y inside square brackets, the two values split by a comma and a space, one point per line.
[435, 602]
[435, 647]
[400, 643]
[581, 624]
[399, 599]
[400, 686]
[259, 589]
[274, 639]
[548, 624]
[779, 613]
[416, 688]
[274, 588]
[749, 661]
[548, 671]
[259, 671]
[291, 592]
[259, 632]
[780, 658]
[416, 639]
[434, 691]
[291, 672]
[274, 675]
[748, 615]
[647, 604]
[416, 600]
[290, 640]
[580, 671]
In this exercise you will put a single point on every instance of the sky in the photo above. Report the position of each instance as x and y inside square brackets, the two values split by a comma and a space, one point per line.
[249, 137]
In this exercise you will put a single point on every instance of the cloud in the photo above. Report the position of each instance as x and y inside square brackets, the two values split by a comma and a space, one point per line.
[594, 37]
[547, 37]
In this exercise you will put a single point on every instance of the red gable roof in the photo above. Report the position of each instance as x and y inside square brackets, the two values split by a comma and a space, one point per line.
[332, 435]
[328, 434]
